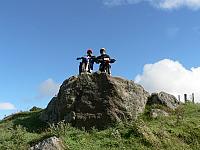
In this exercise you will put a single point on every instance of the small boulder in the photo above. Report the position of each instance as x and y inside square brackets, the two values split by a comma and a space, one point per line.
[154, 113]
[52, 143]
[163, 98]
[34, 108]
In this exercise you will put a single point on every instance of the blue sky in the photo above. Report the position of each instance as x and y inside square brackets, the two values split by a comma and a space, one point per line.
[40, 40]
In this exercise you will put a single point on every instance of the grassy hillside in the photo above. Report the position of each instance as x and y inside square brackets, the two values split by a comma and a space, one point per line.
[179, 131]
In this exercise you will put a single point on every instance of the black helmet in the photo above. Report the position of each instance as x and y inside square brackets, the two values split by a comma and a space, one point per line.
[102, 50]
[89, 51]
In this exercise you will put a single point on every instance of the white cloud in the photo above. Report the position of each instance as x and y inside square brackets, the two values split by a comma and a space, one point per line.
[171, 4]
[7, 106]
[163, 4]
[48, 88]
[172, 77]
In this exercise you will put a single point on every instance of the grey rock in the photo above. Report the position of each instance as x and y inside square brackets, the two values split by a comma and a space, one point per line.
[34, 108]
[154, 113]
[165, 99]
[52, 143]
[96, 100]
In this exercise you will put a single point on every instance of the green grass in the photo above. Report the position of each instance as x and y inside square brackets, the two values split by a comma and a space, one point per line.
[181, 130]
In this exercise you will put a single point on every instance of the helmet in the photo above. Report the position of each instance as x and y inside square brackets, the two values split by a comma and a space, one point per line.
[89, 51]
[102, 50]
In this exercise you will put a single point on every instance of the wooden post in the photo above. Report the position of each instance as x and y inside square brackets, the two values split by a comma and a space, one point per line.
[179, 98]
[185, 98]
[193, 98]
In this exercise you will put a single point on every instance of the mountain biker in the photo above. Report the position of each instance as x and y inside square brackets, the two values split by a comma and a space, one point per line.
[87, 62]
[91, 59]
[101, 59]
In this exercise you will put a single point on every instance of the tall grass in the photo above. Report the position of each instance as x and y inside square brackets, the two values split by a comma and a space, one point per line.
[181, 130]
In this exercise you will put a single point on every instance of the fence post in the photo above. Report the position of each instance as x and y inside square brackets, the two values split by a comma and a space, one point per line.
[179, 98]
[185, 98]
[193, 98]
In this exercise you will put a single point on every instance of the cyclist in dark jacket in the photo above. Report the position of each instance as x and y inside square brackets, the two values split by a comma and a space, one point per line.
[103, 59]
[103, 54]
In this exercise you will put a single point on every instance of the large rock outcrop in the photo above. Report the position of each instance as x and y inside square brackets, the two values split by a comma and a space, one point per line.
[96, 100]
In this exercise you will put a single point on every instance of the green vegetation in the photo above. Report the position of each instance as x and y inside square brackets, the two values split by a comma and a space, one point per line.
[179, 131]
